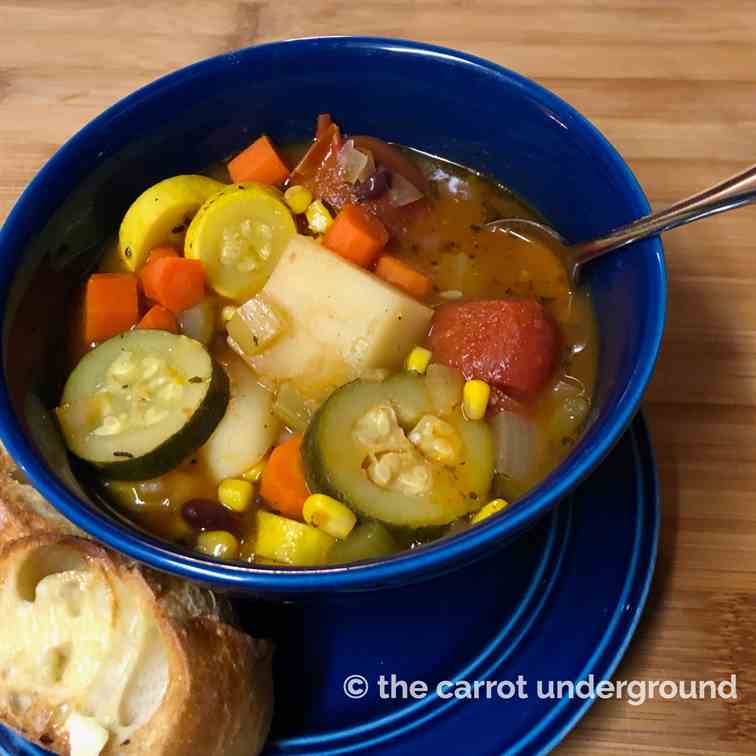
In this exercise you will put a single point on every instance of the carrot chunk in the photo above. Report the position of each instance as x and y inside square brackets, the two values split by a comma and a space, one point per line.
[283, 483]
[259, 162]
[174, 282]
[356, 235]
[111, 305]
[399, 274]
[158, 318]
[158, 253]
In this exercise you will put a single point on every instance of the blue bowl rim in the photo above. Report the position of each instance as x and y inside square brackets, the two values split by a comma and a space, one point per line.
[432, 559]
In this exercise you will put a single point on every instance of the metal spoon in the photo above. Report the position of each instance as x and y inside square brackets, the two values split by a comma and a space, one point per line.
[727, 195]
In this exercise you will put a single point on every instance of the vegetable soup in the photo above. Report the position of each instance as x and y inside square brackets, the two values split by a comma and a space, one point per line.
[319, 354]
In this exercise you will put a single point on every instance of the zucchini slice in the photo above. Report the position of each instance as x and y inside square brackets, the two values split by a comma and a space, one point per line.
[369, 540]
[422, 489]
[140, 403]
[239, 235]
[161, 215]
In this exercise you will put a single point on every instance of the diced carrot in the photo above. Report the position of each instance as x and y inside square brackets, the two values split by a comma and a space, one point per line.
[399, 274]
[76, 345]
[165, 250]
[283, 483]
[356, 235]
[111, 305]
[259, 162]
[159, 318]
[174, 282]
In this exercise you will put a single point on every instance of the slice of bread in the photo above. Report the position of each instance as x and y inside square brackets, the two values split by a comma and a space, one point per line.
[99, 655]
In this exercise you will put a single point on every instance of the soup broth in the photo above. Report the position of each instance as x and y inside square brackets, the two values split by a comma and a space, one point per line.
[438, 251]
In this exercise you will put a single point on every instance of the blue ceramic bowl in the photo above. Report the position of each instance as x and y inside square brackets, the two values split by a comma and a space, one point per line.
[443, 102]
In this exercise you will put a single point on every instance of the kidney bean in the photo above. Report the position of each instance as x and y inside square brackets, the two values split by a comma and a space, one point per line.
[205, 514]
[374, 186]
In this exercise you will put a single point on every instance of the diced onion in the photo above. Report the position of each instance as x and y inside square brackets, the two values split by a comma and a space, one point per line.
[451, 294]
[456, 271]
[516, 440]
[402, 192]
[255, 326]
[198, 322]
[292, 408]
[572, 405]
[357, 165]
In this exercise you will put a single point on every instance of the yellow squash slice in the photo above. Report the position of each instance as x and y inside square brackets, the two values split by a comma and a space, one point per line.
[290, 542]
[239, 235]
[161, 215]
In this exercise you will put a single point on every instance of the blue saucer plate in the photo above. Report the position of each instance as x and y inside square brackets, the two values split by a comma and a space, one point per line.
[486, 647]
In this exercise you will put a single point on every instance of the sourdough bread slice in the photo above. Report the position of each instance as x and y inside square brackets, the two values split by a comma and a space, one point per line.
[99, 655]
[147, 659]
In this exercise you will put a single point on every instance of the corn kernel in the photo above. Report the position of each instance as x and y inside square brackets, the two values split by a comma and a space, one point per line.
[493, 506]
[255, 472]
[329, 515]
[437, 440]
[318, 217]
[225, 314]
[218, 543]
[418, 360]
[236, 495]
[475, 397]
[298, 198]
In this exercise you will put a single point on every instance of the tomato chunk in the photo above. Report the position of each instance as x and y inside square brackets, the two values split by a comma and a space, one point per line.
[321, 172]
[511, 344]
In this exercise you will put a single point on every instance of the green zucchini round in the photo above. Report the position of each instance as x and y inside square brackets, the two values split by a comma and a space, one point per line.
[369, 540]
[140, 403]
[334, 460]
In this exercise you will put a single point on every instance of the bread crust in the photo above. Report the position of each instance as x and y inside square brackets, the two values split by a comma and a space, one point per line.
[23, 510]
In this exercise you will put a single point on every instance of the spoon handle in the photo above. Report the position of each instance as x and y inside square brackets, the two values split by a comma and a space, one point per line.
[731, 193]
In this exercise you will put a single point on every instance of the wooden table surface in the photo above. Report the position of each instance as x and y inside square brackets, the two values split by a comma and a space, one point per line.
[673, 86]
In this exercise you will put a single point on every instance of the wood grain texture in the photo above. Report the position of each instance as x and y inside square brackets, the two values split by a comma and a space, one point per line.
[673, 86]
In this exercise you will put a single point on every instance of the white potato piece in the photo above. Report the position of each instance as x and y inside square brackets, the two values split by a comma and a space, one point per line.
[341, 321]
[248, 429]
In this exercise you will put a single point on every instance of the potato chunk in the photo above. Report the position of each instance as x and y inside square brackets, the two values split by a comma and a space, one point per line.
[247, 430]
[341, 321]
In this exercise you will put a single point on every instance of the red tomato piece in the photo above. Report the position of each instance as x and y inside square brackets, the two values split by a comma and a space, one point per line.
[321, 173]
[511, 344]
